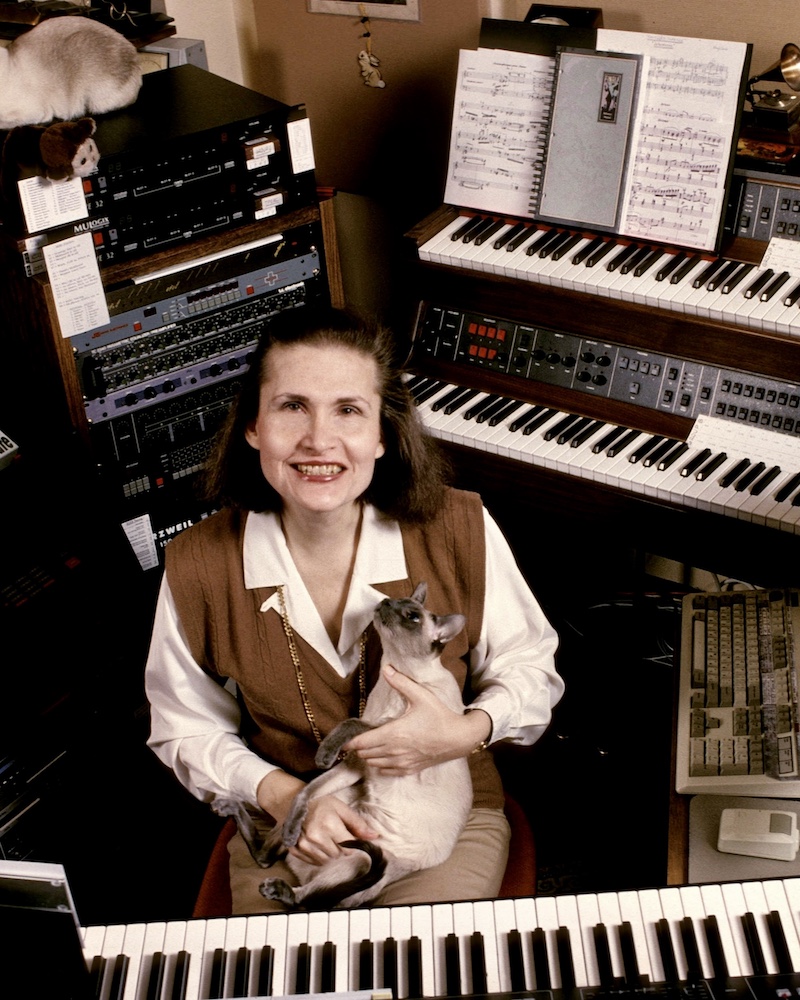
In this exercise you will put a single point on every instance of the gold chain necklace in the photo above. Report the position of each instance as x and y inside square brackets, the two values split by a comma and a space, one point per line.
[362, 669]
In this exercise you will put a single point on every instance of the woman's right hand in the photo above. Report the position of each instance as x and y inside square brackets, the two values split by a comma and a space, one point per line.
[328, 823]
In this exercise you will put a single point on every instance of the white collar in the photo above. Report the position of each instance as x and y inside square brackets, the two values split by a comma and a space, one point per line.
[380, 559]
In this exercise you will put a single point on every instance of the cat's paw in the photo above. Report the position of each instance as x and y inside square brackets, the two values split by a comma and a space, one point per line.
[227, 807]
[277, 889]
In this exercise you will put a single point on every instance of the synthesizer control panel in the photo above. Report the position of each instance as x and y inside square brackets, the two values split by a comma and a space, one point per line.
[601, 368]
[763, 206]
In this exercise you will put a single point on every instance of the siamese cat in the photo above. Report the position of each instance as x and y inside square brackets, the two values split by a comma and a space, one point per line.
[65, 68]
[418, 817]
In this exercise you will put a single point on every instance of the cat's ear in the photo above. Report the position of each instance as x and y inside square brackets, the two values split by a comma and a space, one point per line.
[447, 627]
[420, 592]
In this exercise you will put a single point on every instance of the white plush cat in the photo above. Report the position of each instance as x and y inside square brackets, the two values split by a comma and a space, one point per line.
[64, 68]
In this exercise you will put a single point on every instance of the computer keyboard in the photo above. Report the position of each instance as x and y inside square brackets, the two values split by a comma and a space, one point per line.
[737, 713]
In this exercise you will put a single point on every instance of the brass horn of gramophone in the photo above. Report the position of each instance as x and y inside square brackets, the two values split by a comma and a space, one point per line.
[775, 108]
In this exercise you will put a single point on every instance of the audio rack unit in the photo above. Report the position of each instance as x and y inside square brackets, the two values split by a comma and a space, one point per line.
[194, 155]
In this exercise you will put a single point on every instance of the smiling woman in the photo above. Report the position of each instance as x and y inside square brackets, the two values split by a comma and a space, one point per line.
[333, 499]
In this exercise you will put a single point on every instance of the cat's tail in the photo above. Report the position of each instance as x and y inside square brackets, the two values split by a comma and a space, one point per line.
[329, 897]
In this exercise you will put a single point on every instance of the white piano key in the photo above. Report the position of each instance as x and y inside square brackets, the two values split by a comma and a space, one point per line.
[214, 938]
[483, 915]
[547, 918]
[316, 937]
[492, 255]
[714, 905]
[527, 922]
[673, 912]
[92, 942]
[567, 911]
[431, 249]
[777, 898]
[379, 930]
[693, 907]
[757, 905]
[296, 934]
[359, 931]
[791, 887]
[608, 906]
[442, 925]
[152, 942]
[735, 907]
[401, 932]
[505, 920]
[132, 948]
[235, 938]
[174, 942]
[422, 927]
[630, 910]
[194, 946]
[650, 904]
[463, 926]
[113, 941]
[589, 918]
[255, 938]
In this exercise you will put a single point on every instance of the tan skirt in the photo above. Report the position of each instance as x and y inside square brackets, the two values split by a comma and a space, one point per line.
[473, 871]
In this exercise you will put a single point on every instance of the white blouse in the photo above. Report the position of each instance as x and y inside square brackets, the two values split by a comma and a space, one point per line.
[195, 721]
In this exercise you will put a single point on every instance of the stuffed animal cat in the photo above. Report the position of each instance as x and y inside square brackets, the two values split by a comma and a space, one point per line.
[418, 817]
[64, 68]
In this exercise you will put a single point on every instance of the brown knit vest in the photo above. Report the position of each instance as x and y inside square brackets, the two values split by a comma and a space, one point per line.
[230, 637]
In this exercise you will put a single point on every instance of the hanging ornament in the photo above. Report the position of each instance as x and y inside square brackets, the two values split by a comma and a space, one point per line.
[368, 62]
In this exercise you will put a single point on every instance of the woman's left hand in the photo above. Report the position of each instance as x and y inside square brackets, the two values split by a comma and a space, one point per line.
[427, 733]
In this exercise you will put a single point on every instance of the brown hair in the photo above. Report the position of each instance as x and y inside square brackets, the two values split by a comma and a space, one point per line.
[409, 479]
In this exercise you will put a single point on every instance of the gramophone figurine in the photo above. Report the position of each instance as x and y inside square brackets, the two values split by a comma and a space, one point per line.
[777, 109]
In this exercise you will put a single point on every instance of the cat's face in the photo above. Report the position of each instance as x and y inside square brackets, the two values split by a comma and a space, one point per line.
[408, 629]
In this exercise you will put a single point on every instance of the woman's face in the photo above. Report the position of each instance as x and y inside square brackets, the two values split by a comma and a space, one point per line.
[318, 429]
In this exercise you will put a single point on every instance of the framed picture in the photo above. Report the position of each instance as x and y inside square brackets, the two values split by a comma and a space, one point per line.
[395, 10]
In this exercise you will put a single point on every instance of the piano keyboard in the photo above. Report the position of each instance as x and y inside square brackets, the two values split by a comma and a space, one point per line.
[642, 940]
[726, 291]
[670, 470]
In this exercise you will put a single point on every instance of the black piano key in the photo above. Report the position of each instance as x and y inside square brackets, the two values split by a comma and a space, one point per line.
[779, 944]
[480, 982]
[633, 974]
[415, 380]
[328, 968]
[474, 234]
[711, 467]
[607, 439]
[119, 975]
[788, 488]
[97, 970]
[417, 385]
[473, 411]
[519, 423]
[736, 278]
[452, 966]
[414, 968]
[715, 949]
[551, 246]
[654, 456]
[635, 259]
[509, 235]
[619, 258]
[646, 263]
[774, 286]
[155, 978]
[504, 412]
[694, 464]
[708, 272]
[733, 474]
[366, 966]
[583, 436]
[597, 255]
[719, 278]
[537, 422]
[602, 952]
[448, 397]
[516, 964]
[761, 484]
[428, 391]
[628, 438]
[541, 966]
[390, 971]
[573, 429]
[666, 951]
[517, 241]
[180, 980]
[559, 427]
[754, 949]
[487, 413]
[672, 457]
[580, 256]
[565, 963]
[542, 242]
[791, 297]
[216, 986]
[749, 477]
[694, 967]
[302, 979]
[460, 401]
[567, 246]
[666, 269]
[266, 971]
[685, 268]
[241, 973]
[469, 224]
[489, 232]
[755, 286]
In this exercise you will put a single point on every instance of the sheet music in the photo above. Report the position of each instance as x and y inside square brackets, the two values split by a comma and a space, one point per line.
[683, 136]
[499, 129]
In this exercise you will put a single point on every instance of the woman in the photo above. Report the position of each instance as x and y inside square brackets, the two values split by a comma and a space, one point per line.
[334, 498]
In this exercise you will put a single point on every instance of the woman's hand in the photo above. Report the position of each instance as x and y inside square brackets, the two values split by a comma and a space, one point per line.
[427, 733]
